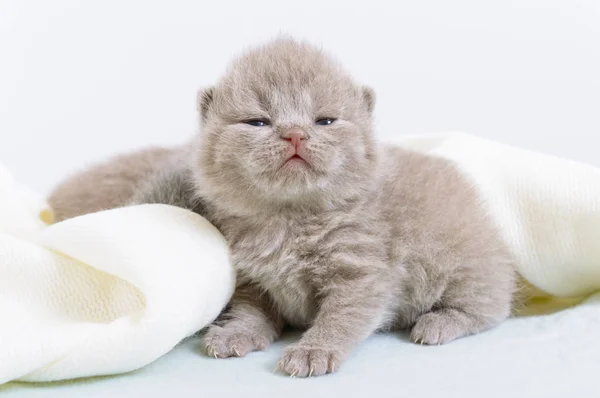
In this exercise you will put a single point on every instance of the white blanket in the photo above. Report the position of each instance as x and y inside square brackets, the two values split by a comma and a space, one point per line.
[104, 293]
[112, 291]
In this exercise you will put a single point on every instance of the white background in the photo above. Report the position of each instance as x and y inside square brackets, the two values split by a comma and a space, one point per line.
[80, 80]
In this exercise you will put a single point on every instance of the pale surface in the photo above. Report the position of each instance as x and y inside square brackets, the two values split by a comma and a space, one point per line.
[546, 357]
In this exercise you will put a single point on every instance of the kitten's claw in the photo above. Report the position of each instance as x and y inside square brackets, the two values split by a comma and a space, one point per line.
[216, 356]
[438, 327]
[298, 361]
[233, 341]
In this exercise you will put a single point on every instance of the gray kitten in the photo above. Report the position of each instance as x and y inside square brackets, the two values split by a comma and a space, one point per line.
[329, 231]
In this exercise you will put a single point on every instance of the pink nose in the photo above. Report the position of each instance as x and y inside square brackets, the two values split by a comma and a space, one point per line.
[295, 136]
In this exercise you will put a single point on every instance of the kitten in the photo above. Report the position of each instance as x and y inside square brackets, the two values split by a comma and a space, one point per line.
[330, 231]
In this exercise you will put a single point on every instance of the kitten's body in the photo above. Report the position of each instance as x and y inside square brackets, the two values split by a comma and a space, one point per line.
[421, 229]
[350, 238]
[417, 251]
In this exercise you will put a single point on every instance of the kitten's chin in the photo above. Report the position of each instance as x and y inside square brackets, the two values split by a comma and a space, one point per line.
[293, 184]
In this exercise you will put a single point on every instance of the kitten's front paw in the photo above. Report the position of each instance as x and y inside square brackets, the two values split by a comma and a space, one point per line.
[306, 362]
[435, 328]
[225, 342]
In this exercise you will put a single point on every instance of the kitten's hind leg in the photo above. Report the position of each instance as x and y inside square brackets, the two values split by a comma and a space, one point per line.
[473, 302]
[250, 324]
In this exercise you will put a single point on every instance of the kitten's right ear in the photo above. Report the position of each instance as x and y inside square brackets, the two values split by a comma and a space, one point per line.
[204, 101]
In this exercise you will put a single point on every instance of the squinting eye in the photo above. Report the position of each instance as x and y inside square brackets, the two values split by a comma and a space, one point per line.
[325, 121]
[257, 122]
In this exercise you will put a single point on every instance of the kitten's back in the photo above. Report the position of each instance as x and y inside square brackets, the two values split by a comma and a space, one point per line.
[108, 184]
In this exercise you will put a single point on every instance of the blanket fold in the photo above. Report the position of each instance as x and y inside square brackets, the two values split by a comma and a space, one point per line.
[547, 208]
[103, 293]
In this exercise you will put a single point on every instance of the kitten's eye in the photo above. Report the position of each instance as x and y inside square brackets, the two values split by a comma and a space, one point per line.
[257, 122]
[325, 121]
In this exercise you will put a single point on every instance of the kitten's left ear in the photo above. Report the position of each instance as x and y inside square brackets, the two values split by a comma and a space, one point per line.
[368, 95]
[204, 101]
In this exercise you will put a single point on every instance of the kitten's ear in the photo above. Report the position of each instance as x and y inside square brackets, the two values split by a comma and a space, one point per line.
[204, 101]
[368, 95]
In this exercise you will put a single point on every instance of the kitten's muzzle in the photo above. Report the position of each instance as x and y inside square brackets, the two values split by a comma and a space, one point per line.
[296, 137]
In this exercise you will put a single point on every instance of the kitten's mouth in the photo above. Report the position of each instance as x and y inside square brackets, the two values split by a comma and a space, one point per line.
[296, 159]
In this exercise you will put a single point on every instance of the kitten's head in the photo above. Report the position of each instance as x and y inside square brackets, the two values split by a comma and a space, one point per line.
[285, 126]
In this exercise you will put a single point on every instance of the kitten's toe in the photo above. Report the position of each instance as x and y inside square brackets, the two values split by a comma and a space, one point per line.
[298, 361]
[224, 342]
[434, 328]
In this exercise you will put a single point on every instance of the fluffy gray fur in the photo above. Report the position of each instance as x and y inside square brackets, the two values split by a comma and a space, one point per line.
[355, 238]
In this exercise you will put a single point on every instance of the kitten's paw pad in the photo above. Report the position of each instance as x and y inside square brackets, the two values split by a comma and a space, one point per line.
[223, 342]
[436, 328]
[298, 361]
